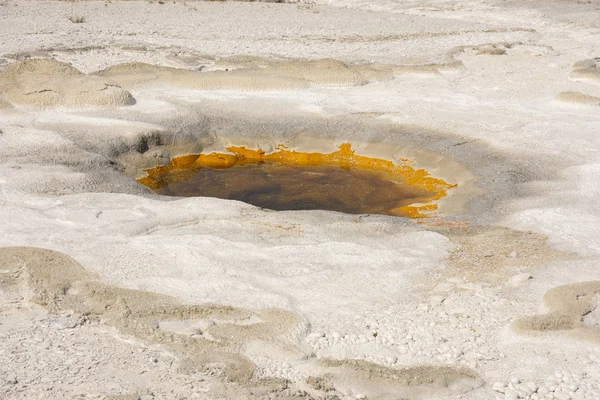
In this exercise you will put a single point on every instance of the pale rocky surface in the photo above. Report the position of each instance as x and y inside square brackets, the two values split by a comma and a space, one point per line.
[494, 297]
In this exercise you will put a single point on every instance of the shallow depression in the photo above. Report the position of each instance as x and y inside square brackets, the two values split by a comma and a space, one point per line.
[290, 180]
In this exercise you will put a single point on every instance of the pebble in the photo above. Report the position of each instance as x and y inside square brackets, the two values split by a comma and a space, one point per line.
[510, 394]
[519, 279]
[205, 324]
[531, 387]
[436, 300]
[315, 335]
[521, 393]
[499, 387]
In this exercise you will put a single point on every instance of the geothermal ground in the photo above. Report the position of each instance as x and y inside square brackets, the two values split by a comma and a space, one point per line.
[109, 290]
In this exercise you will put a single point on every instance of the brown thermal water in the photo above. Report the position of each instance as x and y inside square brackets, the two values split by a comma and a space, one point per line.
[290, 187]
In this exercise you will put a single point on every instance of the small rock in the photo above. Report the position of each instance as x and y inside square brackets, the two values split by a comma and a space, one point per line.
[531, 387]
[391, 360]
[551, 382]
[204, 324]
[436, 300]
[511, 395]
[562, 395]
[62, 323]
[519, 279]
[521, 393]
[514, 380]
[499, 387]
[315, 335]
